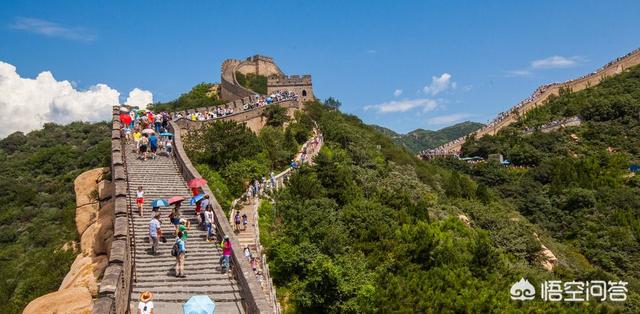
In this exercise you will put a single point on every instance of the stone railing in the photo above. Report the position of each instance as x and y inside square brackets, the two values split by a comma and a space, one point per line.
[592, 79]
[254, 300]
[114, 290]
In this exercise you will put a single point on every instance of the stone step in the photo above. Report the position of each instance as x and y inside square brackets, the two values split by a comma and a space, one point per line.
[183, 297]
[198, 279]
[176, 287]
[161, 307]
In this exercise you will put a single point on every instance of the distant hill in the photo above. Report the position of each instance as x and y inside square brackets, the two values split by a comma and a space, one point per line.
[420, 139]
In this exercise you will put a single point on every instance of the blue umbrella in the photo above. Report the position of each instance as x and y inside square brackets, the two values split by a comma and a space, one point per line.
[159, 203]
[166, 134]
[199, 304]
[196, 198]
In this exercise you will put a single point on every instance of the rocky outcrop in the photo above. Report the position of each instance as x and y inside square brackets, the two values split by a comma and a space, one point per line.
[548, 260]
[94, 223]
[68, 301]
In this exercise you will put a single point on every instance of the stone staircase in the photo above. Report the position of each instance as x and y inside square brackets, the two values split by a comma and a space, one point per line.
[160, 179]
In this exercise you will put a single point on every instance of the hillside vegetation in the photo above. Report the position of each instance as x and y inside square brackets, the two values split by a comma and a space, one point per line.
[419, 139]
[37, 205]
[199, 96]
[230, 156]
[371, 229]
[575, 183]
[254, 82]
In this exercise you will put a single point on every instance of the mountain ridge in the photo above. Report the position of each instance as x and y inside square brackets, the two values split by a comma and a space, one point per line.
[421, 139]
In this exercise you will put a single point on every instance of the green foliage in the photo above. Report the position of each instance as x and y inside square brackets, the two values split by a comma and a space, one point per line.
[229, 155]
[217, 184]
[37, 206]
[276, 115]
[369, 229]
[220, 143]
[199, 96]
[575, 184]
[332, 103]
[256, 83]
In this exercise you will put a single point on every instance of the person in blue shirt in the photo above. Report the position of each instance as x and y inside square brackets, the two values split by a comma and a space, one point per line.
[182, 250]
[153, 145]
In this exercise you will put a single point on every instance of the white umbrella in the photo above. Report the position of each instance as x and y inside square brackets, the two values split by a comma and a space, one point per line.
[148, 131]
[124, 109]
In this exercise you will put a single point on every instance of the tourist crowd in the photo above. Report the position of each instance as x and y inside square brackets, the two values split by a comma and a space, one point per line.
[223, 111]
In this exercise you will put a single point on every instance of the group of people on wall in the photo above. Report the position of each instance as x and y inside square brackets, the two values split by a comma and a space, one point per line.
[227, 110]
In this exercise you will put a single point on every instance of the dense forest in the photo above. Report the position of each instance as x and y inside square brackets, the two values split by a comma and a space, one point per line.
[37, 205]
[576, 183]
[371, 229]
[420, 139]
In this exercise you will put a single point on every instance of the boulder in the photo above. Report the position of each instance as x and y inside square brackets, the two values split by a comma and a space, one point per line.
[85, 184]
[105, 190]
[85, 216]
[465, 220]
[84, 272]
[68, 301]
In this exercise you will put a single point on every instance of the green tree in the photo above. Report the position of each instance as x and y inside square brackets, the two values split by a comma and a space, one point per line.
[221, 143]
[276, 115]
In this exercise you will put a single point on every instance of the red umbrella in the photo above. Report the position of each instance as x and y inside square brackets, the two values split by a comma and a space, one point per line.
[197, 182]
[175, 199]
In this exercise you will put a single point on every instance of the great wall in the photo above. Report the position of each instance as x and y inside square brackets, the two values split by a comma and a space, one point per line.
[543, 93]
[130, 270]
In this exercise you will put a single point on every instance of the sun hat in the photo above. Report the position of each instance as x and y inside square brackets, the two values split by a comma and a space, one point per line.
[146, 296]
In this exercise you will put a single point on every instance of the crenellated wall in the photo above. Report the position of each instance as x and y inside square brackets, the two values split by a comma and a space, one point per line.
[114, 290]
[261, 65]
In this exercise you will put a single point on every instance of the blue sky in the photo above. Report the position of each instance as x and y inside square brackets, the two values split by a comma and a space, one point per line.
[446, 61]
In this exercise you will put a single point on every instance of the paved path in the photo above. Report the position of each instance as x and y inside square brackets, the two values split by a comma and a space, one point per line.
[161, 179]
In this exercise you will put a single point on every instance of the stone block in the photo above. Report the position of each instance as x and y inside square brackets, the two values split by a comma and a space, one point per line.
[120, 206]
[116, 158]
[118, 251]
[115, 134]
[120, 227]
[118, 172]
[103, 305]
[110, 279]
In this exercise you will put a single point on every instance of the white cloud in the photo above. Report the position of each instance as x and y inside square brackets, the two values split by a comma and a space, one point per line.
[51, 29]
[26, 104]
[404, 105]
[371, 51]
[140, 98]
[439, 84]
[448, 119]
[513, 73]
[397, 92]
[554, 62]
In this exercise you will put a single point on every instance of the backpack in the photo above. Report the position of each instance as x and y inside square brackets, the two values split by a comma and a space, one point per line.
[174, 249]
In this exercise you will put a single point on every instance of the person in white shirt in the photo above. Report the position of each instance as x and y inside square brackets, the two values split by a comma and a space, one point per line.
[145, 306]
[208, 221]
